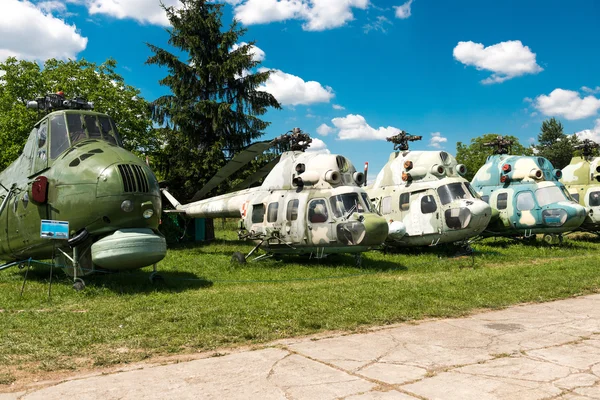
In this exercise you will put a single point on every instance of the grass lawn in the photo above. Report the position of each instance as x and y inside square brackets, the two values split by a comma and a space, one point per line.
[206, 302]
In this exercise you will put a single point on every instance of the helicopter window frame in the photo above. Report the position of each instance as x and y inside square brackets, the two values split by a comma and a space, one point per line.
[292, 210]
[258, 209]
[370, 207]
[42, 134]
[525, 201]
[596, 198]
[453, 191]
[502, 201]
[575, 197]
[312, 214]
[59, 136]
[107, 129]
[272, 211]
[428, 204]
[404, 201]
[386, 205]
[342, 204]
[90, 121]
[486, 198]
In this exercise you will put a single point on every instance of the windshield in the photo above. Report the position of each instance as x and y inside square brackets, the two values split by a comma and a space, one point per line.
[549, 195]
[370, 206]
[452, 191]
[90, 126]
[345, 204]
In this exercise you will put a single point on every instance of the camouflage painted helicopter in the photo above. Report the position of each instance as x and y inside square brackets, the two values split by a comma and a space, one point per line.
[425, 198]
[74, 169]
[527, 195]
[308, 203]
[582, 179]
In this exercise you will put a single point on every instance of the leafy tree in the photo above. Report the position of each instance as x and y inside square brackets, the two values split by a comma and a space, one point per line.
[474, 155]
[554, 144]
[214, 106]
[26, 80]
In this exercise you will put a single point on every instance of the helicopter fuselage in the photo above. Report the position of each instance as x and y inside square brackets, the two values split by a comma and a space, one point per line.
[582, 179]
[309, 203]
[426, 201]
[527, 195]
[74, 169]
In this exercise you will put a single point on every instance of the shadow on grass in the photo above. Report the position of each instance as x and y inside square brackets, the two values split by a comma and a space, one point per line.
[124, 282]
[504, 243]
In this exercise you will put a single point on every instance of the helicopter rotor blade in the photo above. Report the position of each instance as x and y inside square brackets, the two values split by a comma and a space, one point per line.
[258, 175]
[238, 162]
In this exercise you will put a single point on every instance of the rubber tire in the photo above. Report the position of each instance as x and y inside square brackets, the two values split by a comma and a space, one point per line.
[238, 257]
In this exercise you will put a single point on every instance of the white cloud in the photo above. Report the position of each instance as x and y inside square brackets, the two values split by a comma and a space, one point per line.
[52, 6]
[436, 140]
[318, 15]
[324, 130]
[590, 90]
[257, 53]
[567, 104]
[318, 146]
[144, 11]
[26, 32]
[592, 134]
[338, 107]
[355, 127]
[403, 11]
[505, 60]
[292, 90]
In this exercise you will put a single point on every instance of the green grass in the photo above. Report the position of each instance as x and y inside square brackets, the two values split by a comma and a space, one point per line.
[206, 302]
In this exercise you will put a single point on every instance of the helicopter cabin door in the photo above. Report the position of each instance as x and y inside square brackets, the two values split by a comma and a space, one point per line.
[527, 212]
[293, 225]
[424, 214]
[40, 149]
[320, 223]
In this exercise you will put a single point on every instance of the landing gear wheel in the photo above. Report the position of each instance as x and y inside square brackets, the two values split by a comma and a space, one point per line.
[358, 260]
[238, 257]
[78, 284]
[552, 238]
[156, 278]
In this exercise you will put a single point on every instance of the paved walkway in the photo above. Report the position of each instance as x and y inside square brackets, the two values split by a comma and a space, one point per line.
[539, 351]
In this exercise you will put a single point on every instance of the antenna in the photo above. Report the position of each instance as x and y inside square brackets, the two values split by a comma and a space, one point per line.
[296, 139]
[587, 147]
[501, 144]
[401, 140]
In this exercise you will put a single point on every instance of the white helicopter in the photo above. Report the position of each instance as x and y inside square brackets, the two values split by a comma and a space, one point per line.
[308, 203]
[425, 198]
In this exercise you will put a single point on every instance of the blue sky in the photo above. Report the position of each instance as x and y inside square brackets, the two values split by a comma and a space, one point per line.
[359, 70]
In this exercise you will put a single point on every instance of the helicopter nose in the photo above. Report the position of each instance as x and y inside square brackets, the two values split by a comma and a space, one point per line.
[568, 216]
[376, 230]
[481, 214]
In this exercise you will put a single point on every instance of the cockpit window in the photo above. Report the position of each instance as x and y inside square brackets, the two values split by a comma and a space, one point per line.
[472, 191]
[84, 126]
[108, 133]
[452, 191]
[549, 195]
[345, 204]
[59, 140]
[368, 203]
[91, 126]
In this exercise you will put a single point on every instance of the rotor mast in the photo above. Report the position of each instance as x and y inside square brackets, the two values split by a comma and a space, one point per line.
[500, 144]
[401, 140]
[587, 147]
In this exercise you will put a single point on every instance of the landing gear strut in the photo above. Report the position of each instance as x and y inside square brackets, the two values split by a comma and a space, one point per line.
[154, 276]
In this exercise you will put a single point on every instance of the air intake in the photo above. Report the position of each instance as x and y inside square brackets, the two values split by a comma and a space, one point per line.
[134, 178]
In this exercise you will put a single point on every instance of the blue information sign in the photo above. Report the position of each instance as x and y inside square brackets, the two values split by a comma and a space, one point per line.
[54, 229]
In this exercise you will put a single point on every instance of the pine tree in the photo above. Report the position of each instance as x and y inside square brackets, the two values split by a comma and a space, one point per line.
[554, 144]
[214, 106]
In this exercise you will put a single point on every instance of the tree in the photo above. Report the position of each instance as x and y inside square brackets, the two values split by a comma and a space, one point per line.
[26, 80]
[474, 155]
[554, 144]
[214, 104]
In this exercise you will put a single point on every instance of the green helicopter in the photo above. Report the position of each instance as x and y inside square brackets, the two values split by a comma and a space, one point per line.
[77, 195]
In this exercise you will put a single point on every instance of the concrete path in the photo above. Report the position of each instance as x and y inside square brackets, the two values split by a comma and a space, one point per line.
[539, 351]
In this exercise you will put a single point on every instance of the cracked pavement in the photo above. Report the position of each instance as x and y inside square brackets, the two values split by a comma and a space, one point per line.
[536, 351]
